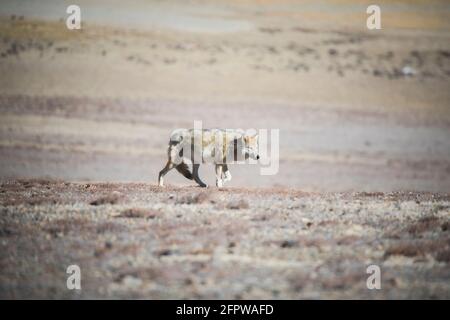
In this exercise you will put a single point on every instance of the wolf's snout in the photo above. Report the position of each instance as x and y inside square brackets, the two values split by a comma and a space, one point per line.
[257, 157]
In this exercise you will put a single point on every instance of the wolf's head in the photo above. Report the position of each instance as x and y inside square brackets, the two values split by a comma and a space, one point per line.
[251, 146]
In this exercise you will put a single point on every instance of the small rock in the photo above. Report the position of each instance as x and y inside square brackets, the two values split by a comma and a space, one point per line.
[238, 204]
[408, 71]
[288, 244]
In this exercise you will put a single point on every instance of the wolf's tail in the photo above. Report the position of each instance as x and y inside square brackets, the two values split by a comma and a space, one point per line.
[176, 136]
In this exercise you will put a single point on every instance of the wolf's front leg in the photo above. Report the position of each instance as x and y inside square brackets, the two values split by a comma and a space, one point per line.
[219, 181]
[226, 173]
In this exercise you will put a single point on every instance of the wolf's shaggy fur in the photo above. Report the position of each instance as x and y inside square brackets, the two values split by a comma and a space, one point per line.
[216, 146]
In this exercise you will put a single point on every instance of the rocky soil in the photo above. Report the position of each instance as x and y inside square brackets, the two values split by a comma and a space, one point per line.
[364, 170]
[141, 241]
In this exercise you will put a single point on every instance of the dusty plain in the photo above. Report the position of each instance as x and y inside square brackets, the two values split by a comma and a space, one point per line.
[364, 119]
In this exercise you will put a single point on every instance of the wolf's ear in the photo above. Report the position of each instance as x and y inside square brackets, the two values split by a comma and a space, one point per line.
[252, 133]
[251, 137]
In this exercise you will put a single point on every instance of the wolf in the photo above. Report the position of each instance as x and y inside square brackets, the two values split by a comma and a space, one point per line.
[216, 146]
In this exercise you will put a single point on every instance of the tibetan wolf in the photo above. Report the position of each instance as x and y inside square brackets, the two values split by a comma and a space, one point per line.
[220, 147]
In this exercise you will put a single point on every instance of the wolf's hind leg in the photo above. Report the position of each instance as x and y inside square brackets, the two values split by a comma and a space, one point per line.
[169, 166]
[184, 170]
[196, 177]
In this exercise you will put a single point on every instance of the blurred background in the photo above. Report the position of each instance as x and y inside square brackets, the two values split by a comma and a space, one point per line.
[357, 109]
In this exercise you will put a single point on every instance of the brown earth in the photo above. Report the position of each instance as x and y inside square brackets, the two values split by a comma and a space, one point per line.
[364, 119]
[140, 241]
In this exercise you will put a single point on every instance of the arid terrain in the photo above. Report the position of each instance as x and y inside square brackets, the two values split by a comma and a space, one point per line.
[364, 171]
[141, 241]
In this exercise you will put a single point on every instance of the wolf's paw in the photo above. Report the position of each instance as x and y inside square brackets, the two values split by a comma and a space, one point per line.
[226, 176]
[219, 183]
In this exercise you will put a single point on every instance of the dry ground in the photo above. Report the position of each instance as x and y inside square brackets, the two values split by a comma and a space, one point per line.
[142, 241]
[363, 116]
